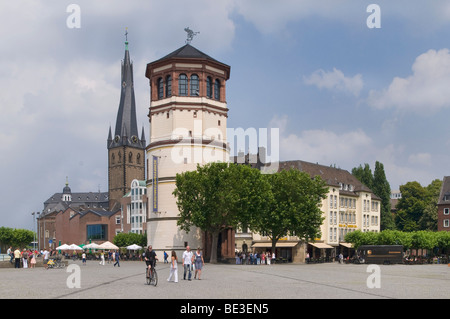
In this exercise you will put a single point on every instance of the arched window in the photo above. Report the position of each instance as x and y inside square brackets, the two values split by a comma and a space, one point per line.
[209, 87]
[183, 85]
[194, 85]
[217, 89]
[168, 86]
[130, 157]
[160, 85]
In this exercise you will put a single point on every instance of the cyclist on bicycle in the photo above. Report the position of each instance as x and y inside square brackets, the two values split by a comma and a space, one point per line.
[150, 259]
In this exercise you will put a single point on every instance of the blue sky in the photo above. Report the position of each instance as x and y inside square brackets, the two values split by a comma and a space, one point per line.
[340, 93]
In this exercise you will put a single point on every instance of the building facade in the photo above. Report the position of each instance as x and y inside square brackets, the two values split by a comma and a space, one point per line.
[134, 209]
[348, 206]
[444, 206]
[76, 218]
[188, 120]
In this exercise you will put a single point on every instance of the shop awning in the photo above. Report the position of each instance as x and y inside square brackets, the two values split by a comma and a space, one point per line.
[348, 245]
[278, 245]
[321, 245]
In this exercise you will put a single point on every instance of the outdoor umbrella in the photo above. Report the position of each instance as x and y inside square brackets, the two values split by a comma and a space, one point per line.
[108, 245]
[134, 247]
[63, 247]
[92, 246]
[75, 247]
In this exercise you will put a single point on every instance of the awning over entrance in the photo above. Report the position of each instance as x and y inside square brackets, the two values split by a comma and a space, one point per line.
[321, 245]
[347, 245]
[278, 245]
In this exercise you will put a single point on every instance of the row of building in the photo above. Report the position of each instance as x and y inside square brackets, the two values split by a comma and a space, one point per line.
[188, 126]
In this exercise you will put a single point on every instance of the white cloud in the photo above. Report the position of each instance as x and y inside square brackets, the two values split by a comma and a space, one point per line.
[336, 81]
[350, 148]
[323, 146]
[270, 17]
[420, 159]
[426, 90]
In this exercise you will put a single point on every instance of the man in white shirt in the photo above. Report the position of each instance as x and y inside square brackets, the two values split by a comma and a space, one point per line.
[187, 262]
[46, 254]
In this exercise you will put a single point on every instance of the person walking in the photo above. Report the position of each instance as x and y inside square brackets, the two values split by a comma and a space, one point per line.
[199, 262]
[173, 267]
[187, 263]
[165, 257]
[117, 257]
[46, 254]
[25, 258]
[33, 259]
[102, 258]
[83, 258]
[10, 254]
[17, 258]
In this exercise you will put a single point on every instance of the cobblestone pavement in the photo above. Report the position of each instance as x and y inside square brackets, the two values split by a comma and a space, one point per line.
[222, 281]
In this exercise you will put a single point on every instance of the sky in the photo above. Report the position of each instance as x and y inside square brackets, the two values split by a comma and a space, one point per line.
[343, 83]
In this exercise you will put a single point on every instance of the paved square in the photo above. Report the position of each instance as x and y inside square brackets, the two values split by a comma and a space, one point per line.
[222, 281]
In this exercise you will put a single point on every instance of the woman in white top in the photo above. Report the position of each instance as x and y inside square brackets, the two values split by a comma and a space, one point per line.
[173, 267]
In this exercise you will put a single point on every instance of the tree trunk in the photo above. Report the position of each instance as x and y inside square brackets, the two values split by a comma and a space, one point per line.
[274, 245]
[214, 241]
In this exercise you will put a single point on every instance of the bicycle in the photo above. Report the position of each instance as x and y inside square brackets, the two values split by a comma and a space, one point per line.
[151, 276]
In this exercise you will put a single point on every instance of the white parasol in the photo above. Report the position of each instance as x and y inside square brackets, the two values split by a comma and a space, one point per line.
[74, 247]
[134, 247]
[63, 247]
[92, 246]
[107, 245]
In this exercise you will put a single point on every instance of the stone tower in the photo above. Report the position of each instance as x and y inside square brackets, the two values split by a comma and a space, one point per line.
[126, 150]
[188, 120]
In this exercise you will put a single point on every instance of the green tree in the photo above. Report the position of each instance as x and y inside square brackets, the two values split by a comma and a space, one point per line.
[364, 175]
[127, 239]
[410, 206]
[22, 237]
[293, 208]
[417, 209]
[429, 218]
[382, 189]
[6, 235]
[219, 196]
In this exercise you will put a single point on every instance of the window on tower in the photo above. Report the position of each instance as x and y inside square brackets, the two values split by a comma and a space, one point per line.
[217, 89]
[183, 85]
[168, 86]
[209, 87]
[160, 85]
[194, 85]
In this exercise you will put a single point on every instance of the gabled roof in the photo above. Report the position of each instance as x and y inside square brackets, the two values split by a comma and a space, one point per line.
[445, 191]
[334, 177]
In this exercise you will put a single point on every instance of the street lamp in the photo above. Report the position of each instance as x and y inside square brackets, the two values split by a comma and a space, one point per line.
[38, 230]
[34, 231]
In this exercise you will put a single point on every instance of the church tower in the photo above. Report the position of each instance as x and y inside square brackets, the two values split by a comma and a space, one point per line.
[188, 120]
[126, 150]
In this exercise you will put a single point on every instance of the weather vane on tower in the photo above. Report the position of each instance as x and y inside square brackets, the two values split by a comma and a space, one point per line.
[190, 35]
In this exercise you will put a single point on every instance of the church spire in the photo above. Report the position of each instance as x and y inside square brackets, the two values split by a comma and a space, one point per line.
[126, 130]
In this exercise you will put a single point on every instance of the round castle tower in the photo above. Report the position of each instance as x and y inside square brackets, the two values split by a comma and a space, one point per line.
[188, 124]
